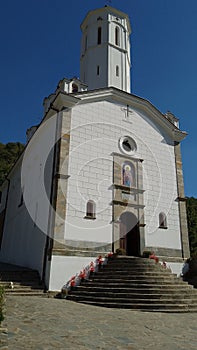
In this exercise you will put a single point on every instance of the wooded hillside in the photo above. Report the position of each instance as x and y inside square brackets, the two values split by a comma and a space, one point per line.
[8, 155]
[192, 224]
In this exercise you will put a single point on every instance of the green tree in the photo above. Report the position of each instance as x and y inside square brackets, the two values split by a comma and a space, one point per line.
[8, 155]
[191, 206]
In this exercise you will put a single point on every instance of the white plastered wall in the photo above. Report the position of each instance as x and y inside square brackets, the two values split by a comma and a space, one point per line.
[26, 225]
[95, 131]
[64, 267]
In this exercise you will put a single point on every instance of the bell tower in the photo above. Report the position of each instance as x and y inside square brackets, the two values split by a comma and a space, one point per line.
[105, 49]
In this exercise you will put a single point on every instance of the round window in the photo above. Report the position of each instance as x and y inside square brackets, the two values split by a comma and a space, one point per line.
[127, 145]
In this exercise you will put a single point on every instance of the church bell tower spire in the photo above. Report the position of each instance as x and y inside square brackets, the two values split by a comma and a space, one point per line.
[105, 49]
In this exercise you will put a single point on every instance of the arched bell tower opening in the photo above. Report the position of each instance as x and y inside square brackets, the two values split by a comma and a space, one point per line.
[129, 234]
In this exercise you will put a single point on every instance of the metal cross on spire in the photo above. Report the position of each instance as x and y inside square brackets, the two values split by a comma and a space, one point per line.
[108, 2]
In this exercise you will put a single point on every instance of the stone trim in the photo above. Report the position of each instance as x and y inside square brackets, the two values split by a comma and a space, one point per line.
[129, 189]
[89, 217]
[165, 252]
[81, 248]
[73, 245]
[134, 205]
[171, 259]
[182, 199]
[55, 239]
[126, 156]
[181, 202]
[61, 176]
[91, 254]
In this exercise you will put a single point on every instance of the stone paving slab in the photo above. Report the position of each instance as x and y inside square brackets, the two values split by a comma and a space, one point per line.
[47, 323]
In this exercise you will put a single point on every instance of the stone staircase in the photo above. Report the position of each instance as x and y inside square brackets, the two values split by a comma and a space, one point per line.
[136, 283]
[20, 281]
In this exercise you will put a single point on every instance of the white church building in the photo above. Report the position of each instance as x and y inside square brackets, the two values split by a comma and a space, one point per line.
[101, 171]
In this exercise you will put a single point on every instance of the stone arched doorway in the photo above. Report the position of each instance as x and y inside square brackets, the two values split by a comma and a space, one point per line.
[129, 234]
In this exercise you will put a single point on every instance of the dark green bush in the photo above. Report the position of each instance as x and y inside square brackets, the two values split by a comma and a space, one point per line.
[146, 254]
[1, 303]
[120, 251]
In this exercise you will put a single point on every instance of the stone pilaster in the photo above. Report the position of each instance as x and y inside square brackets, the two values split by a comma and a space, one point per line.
[60, 182]
[181, 199]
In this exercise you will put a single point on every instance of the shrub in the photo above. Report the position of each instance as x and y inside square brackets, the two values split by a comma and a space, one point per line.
[1, 303]
[120, 251]
[146, 254]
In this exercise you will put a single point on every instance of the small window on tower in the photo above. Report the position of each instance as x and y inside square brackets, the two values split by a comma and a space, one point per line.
[162, 220]
[90, 210]
[117, 36]
[98, 70]
[117, 71]
[99, 35]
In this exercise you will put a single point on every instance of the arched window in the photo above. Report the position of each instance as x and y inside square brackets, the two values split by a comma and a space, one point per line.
[117, 36]
[74, 88]
[117, 71]
[99, 35]
[90, 210]
[128, 174]
[162, 220]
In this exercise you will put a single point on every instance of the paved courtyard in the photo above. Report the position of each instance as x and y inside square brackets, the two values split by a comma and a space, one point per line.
[47, 323]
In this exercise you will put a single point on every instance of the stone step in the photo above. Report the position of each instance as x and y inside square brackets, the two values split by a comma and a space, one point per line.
[144, 307]
[138, 286]
[128, 295]
[134, 272]
[134, 265]
[147, 268]
[129, 276]
[24, 285]
[136, 283]
[27, 293]
[19, 278]
[20, 281]
[124, 300]
[139, 269]
[129, 260]
[133, 261]
[139, 289]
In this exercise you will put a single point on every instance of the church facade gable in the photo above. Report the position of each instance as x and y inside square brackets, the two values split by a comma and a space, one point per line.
[96, 131]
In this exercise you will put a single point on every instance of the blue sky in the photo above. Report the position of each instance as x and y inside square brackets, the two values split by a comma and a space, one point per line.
[40, 44]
